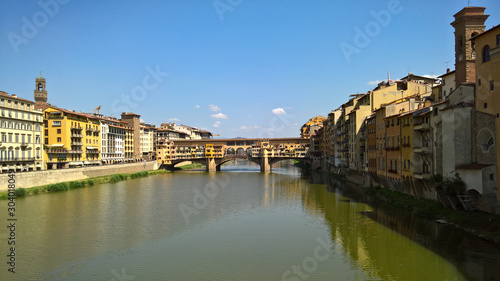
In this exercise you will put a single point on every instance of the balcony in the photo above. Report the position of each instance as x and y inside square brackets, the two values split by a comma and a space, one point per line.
[57, 150]
[421, 126]
[17, 159]
[24, 143]
[422, 176]
[73, 135]
[76, 128]
[77, 143]
[75, 151]
[423, 149]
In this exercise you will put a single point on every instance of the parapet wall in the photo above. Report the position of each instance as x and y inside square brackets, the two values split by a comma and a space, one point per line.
[37, 178]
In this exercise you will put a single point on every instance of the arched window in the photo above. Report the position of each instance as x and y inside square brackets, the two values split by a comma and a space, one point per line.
[486, 53]
[40, 87]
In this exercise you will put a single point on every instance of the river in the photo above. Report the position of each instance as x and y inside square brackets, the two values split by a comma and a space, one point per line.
[237, 224]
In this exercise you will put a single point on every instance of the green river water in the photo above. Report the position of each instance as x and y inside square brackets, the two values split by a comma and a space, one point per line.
[238, 224]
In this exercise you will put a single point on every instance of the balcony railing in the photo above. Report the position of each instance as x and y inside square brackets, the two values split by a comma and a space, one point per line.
[55, 150]
[13, 159]
[422, 176]
[421, 126]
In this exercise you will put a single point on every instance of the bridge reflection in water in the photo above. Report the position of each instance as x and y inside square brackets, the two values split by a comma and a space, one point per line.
[214, 152]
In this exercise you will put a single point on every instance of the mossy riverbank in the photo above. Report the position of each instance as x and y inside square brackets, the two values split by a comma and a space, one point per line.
[481, 224]
[20, 192]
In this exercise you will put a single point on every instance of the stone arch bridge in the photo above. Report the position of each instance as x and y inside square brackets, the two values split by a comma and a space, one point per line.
[214, 152]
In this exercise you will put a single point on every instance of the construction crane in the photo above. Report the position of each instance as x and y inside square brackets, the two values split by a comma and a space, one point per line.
[98, 109]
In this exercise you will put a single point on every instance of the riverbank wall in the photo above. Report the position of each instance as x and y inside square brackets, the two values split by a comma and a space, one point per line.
[38, 178]
[415, 188]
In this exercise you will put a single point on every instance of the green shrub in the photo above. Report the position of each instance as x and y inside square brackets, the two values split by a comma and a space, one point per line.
[34, 190]
[117, 178]
[4, 196]
[76, 184]
[20, 192]
[138, 175]
[90, 182]
[58, 186]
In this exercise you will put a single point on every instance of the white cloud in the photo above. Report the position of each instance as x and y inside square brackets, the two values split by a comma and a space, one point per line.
[219, 116]
[278, 111]
[217, 124]
[174, 119]
[197, 106]
[214, 108]
[247, 128]
[376, 82]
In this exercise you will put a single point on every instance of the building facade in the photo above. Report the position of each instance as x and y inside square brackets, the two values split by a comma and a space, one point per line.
[21, 134]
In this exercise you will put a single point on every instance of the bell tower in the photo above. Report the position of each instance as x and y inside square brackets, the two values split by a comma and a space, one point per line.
[40, 91]
[468, 23]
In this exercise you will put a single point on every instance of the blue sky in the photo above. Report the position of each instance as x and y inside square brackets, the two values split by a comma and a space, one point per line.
[249, 68]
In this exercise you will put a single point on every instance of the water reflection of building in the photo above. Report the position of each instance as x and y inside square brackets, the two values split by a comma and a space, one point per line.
[393, 254]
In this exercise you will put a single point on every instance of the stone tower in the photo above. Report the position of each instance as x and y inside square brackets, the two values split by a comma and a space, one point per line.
[40, 91]
[468, 23]
[134, 121]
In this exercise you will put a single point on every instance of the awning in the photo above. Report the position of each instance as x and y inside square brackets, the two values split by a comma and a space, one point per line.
[92, 147]
[56, 145]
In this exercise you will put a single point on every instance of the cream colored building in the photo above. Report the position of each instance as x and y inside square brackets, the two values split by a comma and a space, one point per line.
[21, 134]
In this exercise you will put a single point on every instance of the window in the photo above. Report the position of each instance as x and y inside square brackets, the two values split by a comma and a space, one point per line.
[58, 139]
[46, 141]
[485, 105]
[492, 85]
[58, 131]
[56, 123]
[479, 82]
[486, 53]
[492, 177]
[498, 39]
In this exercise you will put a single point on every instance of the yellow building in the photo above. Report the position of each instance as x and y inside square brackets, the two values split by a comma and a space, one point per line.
[129, 142]
[310, 126]
[487, 48]
[387, 92]
[406, 124]
[71, 139]
[21, 133]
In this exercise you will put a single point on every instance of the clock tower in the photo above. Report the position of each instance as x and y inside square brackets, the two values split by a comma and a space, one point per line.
[40, 91]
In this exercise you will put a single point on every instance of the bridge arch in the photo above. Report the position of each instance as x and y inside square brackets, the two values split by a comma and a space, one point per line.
[240, 151]
[230, 151]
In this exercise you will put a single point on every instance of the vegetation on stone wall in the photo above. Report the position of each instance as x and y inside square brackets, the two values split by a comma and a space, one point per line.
[20, 192]
[451, 186]
[485, 225]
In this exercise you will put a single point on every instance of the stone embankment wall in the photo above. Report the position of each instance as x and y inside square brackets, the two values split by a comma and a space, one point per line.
[37, 178]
